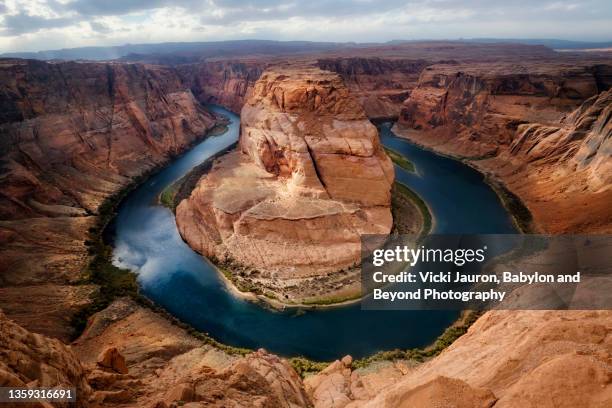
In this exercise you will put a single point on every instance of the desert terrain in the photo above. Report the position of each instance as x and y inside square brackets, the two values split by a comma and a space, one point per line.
[76, 136]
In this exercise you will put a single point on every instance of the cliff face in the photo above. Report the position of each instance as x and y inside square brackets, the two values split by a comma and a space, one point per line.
[531, 130]
[475, 109]
[225, 83]
[310, 177]
[380, 85]
[132, 357]
[72, 134]
[581, 143]
[162, 365]
[564, 171]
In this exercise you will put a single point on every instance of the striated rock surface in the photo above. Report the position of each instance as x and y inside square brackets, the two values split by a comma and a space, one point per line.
[582, 143]
[564, 171]
[507, 359]
[225, 82]
[380, 84]
[309, 179]
[474, 109]
[166, 367]
[526, 358]
[32, 360]
[530, 130]
[71, 135]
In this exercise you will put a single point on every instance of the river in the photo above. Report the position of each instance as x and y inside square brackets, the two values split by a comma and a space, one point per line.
[170, 273]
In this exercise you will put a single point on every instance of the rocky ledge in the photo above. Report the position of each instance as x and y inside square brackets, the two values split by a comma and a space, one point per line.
[285, 213]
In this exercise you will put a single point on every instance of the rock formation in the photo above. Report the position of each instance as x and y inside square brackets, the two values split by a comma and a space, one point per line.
[582, 143]
[32, 360]
[474, 109]
[73, 134]
[165, 366]
[309, 179]
[380, 85]
[528, 130]
[225, 83]
[563, 171]
[507, 359]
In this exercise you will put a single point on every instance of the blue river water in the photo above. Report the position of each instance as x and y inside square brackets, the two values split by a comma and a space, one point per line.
[146, 240]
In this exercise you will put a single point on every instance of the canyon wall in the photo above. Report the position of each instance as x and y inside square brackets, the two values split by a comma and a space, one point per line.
[32, 360]
[225, 82]
[472, 109]
[380, 85]
[564, 171]
[71, 135]
[74, 133]
[524, 126]
[309, 179]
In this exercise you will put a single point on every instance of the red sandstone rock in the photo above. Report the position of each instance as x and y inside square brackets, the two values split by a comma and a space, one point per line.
[33, 360]
[71, 135]
[310, 178]
[113, 360]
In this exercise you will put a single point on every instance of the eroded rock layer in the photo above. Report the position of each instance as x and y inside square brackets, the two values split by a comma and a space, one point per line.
[507, 359]
[380, 84]
[71, 135]
[309, 179]
[132, 357]
[545, 134]
[222, 82]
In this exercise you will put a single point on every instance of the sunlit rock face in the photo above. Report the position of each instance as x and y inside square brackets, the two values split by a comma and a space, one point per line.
[71, 135]
[542, 129]
[308, 179]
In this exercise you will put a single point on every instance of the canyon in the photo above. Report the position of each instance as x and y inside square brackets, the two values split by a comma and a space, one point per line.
[549, 126]
[74, 134]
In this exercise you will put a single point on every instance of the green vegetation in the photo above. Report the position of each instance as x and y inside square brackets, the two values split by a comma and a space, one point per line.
[116, 282]
[485, 156]
[520, 213]
[167, 197]
[400, 192]
[326, 301]
[421, 354]
[400, 160]
[305, 366]
[182, 188]
[113, 282]
[218, 130]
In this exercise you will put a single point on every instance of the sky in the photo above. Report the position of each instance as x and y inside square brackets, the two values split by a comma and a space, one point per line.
[33, 25]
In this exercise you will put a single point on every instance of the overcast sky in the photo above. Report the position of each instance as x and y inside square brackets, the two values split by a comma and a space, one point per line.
[32, 25]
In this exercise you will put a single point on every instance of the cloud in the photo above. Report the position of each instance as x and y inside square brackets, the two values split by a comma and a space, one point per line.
[100, 27]
[113, 7]
[21, 23]
[232, 11]
[34, 24]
